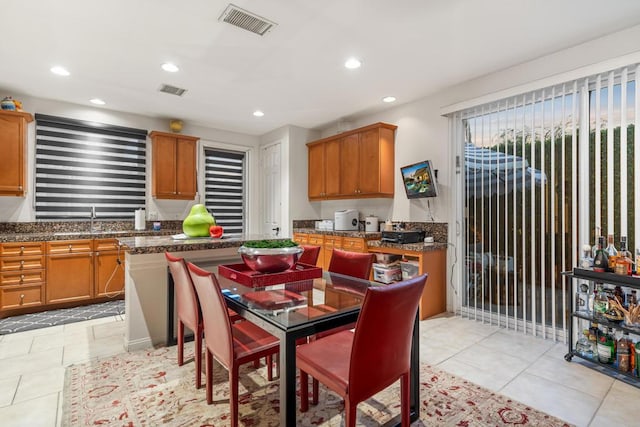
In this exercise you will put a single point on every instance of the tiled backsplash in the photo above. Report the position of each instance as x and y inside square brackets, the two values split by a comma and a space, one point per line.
[78, 226]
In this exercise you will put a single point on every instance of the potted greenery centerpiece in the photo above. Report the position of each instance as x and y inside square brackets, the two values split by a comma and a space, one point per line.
[270, 256]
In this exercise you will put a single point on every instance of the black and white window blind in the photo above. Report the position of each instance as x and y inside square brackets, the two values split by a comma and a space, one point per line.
[82, 166]
[224, 188]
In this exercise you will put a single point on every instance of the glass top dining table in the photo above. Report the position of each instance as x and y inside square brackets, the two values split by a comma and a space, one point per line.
[295, 310]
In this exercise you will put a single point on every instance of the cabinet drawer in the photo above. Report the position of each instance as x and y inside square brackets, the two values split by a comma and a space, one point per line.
[21, 248]
[20, 296]
[26, 277]
[332, 242]
[316, 239]
[102, 245]
[301, 238]
[353, 244]
[69, 246]
[18, 263]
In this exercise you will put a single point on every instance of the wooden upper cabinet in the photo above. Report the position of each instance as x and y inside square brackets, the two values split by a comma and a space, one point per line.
[13, 142]
[174, 166]
[358, 163]
[324, 169]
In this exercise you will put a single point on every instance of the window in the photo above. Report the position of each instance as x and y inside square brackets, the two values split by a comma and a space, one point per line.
[224, 188]
[82, 165]
[542, 172]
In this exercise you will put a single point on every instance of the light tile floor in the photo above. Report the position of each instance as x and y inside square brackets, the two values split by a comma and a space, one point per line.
[525, 368]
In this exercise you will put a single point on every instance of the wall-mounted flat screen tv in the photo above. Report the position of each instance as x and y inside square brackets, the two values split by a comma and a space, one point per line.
[419, 180]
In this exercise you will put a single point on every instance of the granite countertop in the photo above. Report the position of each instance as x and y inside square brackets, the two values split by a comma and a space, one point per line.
[414, 247]
[159, 244]
[76, 235]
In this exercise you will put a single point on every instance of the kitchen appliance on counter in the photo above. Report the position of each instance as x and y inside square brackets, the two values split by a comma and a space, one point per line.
[371, 224]
[346, 220]
[403, 237]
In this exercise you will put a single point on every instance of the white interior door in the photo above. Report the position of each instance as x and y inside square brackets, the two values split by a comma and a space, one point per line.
[272, 190]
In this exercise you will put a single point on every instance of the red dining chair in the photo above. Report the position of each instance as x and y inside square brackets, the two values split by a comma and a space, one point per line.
[310, 254]
[354, 264]
[357, 365]
[189, 313]
[232, 344]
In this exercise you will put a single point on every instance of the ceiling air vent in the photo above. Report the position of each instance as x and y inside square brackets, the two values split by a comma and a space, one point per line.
[172, 90]
[246, 20]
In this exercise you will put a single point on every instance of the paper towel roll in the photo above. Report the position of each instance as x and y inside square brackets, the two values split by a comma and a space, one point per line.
[140, 219]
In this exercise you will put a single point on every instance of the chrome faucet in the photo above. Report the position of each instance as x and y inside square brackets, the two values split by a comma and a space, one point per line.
[93, 217]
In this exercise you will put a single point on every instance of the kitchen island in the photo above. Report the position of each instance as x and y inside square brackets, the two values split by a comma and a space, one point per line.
[146, 297]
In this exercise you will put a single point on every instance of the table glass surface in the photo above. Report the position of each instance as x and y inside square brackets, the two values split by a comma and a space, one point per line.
[292, 304]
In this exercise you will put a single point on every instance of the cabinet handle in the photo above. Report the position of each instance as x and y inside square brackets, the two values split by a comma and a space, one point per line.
[21, 264]
[21, 278]
[21, 249]
[97, 254]
[21, 299]
[70, 247]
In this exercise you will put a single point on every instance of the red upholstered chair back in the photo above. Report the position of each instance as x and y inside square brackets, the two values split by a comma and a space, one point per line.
[381, 349]
[186, 298]
[310, 254]
[217, 325]
[354, 264]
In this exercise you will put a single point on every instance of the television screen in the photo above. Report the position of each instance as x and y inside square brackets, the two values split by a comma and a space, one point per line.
[419, 180]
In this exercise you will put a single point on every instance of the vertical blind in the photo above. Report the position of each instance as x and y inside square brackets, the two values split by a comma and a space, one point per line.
[81, 166]
[542, 170]
[224, 188]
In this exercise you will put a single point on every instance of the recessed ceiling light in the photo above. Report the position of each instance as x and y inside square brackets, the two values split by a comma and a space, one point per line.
[352, 63]
[61, 71]
[258, 113]
[169, 67]
[389, 99]
[97, 101]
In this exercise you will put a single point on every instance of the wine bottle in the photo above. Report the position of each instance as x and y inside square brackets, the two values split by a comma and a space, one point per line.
[611, 252]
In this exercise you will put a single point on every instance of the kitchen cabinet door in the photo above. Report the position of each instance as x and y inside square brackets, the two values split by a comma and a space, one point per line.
[13, 141]
[69, 271]
[173, 166]
[376, 163]
[108, 268]
[69, 277]
[350, 165]
[324, 169]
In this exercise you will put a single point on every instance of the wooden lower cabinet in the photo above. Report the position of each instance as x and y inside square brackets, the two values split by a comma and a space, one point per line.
[22, 275]
[69, 277]
[432, 262]
[330, 243]
[109, 268]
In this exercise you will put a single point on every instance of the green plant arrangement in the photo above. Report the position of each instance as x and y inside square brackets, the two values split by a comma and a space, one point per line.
[270, 244]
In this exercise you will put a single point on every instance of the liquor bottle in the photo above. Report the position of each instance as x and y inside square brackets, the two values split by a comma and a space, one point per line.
[623, 353]
[594, 333]
[623, 261]
[594, 248]
[601, 260]
[586, 261]
[637, 261]
[600, 304]
[606, 347]
[583, 346]
[611, 251]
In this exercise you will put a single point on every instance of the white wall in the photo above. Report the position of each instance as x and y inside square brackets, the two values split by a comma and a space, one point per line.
[20, 209]
[423, 132]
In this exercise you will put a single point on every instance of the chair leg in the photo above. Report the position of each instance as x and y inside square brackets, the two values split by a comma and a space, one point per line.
[304, 391]
[233, 394]
[256, 363]
[269, 368]
[405, 392]
[198, 357]
[180, 343]
[350, 413]
[315, 391]
[209, 375]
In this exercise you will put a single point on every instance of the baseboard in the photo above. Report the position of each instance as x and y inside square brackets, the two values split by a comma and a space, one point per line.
[136, 345]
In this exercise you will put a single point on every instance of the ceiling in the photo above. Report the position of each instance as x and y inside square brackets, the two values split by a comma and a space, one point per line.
[295, 73]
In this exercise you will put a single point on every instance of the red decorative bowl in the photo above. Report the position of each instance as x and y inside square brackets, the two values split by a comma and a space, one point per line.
[270, 260]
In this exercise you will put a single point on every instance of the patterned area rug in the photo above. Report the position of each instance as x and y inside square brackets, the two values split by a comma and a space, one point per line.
[147, 388]
[26, 322]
